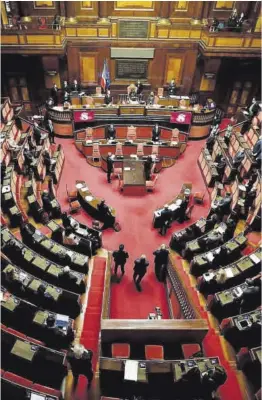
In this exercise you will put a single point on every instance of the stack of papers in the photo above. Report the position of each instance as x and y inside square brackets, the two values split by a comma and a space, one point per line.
[131, 370]
[254, 258]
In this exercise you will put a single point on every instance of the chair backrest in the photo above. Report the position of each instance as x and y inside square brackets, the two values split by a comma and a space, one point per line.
[119, 149]
[175, 134]
[89, 133]
[98, 91]
[131, 133]
[140, 149]
[160, 92]
[155, 149]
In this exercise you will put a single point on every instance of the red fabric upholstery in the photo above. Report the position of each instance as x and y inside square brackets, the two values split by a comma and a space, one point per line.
[18, 379]
[120, 350]
[38, 342]
[16, 333]
[189, 349]
[154, 352]
[2, 372]
[46, 390]
[225, 322]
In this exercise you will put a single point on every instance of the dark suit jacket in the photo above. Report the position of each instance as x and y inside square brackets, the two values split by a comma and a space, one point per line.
[161, 256]
[166, 215]
[140, 88]
[120, 256]
[76, 88]
[171, 90]
[141, 266]
[110, 164]
[110, 133]
[107, 99]
[37, 135]
[156, 134]
[54, 93]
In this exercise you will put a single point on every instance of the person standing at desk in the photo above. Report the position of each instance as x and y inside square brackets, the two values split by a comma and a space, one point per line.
[50, 128]
[75, 86]
[106, 216]
[37, 134]
[139, 87]
[161, 261]
[65, 87]
[120, 256]
[172, 88]
[165, 219]
[110, 132]
[110, 164]
[140, 269]
[182, 210]
[156, 133]
[80, 362]
[147, 167]
[54, 94]
[151, 99]
[108, 98]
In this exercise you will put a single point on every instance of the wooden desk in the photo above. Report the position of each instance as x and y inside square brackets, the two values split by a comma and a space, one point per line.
[134, 181]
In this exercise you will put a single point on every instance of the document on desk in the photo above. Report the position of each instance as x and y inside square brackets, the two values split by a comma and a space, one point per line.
[127, 169]
[209, 256]
[254, 258]
[229, 273]
[131, 370]
[173, 207]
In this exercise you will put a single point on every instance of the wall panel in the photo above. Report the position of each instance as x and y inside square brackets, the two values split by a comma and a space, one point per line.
[174, 66]
[88, 67]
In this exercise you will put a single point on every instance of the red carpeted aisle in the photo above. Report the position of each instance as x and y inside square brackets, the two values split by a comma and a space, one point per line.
[135, 215]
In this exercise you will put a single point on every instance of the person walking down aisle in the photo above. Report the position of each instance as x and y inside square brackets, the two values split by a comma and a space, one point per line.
[140, 269]
[120, 256]
[161, 261]
[79, 361]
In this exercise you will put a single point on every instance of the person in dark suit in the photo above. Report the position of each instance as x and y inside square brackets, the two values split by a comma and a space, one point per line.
[220, 257]
[75, 86]
[54, 94]
[120, 256]
[110, 166]
[37, 134]
[165, 219]
[211, 222]
[156, 133]
[66, 87]
[110, 132]
[181, 216]
[210, 142]
[249, 200]
[48, 162]
[172, 88]
[106, 216]
[223, 207]
[147, 167]
[50, 128]
[53, 211]
[66, 277]
[212, 379]
[161, 262]
[108, 98]
[140, 87]
[151, 99]
[80, 362]
[30, 161]
[140, 269]
[250, 298]
[221, 168]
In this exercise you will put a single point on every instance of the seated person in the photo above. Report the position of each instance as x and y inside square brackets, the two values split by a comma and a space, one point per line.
[110, 132]
[221, 168]
[213, 378]
[228, 134]
[50, 321]
[211, 222]
[82, 245]
[257, 148]
[66, 97]
[232, 21]
[156, 133]
[53, 211]
[48, 162]
[65, 87]
[239, 157]
[132, 92]
[139, 87]
[214, 26]
[230, 229]
[30, 161]
[250, 298]
[75, 86]
[249, 200]
[12, 146]
[172, 88]
[32, 146]
[66, 277]
[253, 109]
[108, 98]
[223, 207]
[165, 219]
[210, 142]
[151, 99]
[106, 215]
[38, 137]
[219, 257]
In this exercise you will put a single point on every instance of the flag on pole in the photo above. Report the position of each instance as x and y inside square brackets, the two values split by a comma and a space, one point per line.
[105, 78]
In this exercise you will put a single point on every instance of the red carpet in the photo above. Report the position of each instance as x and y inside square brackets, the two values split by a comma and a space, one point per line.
[135, 215]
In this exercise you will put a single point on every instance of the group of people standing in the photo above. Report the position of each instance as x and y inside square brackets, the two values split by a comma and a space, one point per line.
[141, 264]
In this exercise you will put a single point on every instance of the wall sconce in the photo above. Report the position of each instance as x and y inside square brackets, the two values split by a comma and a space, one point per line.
[104, 21]
[71, 20]
[163, 21]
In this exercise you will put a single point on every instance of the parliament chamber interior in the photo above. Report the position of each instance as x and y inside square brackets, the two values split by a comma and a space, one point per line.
[131, 200]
